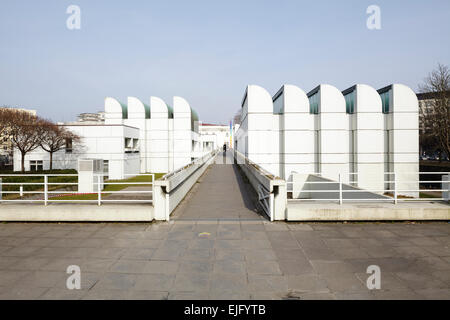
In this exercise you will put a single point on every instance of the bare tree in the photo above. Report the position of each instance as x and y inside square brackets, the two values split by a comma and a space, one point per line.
[435, 113]
[5, 119]
[24, 132]
[54, 138]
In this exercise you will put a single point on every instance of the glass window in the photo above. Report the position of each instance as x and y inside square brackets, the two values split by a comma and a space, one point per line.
[350, 102]
[36, 165]
[314, 103]
[69, 145]
[385, 96]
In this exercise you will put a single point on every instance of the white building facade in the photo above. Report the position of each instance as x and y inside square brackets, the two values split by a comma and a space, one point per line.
[134, 138]
[361, 136]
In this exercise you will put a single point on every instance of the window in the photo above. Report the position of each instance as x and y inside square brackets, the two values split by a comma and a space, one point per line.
[69, 145]
[350, 102]
[385, 96]
[314, 103]
[36, 165]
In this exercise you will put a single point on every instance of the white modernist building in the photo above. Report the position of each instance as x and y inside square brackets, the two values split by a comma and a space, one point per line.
[134, 138]
[360, 136]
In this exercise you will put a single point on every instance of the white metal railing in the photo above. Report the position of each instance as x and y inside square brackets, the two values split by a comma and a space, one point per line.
[197, 161]
[395, 189]
[47, 194]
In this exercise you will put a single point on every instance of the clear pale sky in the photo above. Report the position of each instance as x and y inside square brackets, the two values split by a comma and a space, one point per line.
[208, 51]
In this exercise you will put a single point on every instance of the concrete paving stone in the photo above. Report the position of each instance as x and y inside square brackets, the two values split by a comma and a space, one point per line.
[309, 282]
[354, 295]
[229, 266]
[350, 253]
[442, 275]
[289, 254]
[115, 281]
[161, 267]
[228, 282]
[138, 254]
[23, 293]
[276, 226]
[380, 252]
[198, 254]
[94, 242]
[77, 252]
[147, 295]
[40, 242]
[154, 282]
[53, 252]
[299, 227]
[128, 266]
[46, 279]
[340, 243]
[196, 282]
[420, 280]
[31, 263]
[56, 233]
[317, 296]
[107, 253]
[164, 253]
[63, 294]
[256, 244]
[80, 234]
[333, 234]
[267, 283]
[413, 251]
[228, 244]
[259, 255]
[10, 277]
[443, 240]
[106, 294]
[20, 251]
[263, 267]
[195, 266]
[388, 281]
[424, 241]
[381, 234]
[67, 243]
[295, 267]
[229, 254]
[319, 252]
[347, 282]
[434, 294]
[229, 295]
[395, 242]
[332, 266]
[430, 264]
[201, 243]
[181, 235]
[8, 262]
[368, 242]
[442, 251]
[354, 232]
[174, 295]
[396, 295]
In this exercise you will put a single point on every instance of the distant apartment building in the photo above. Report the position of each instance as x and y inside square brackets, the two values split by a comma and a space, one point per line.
[92, 117]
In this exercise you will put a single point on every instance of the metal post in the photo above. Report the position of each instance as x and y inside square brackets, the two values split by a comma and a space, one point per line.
[395, 188]
[45, 190]
[99, 191]
[21, 191]
[340, 189]
[1, 190]
[271, 204]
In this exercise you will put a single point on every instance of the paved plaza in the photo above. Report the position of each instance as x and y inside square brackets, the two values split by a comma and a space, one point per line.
[217, 246]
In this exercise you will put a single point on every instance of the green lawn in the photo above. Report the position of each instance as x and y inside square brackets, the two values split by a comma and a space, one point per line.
[113, 187]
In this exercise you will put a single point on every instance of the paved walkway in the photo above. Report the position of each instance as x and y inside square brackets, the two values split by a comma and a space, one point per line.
[227, 251]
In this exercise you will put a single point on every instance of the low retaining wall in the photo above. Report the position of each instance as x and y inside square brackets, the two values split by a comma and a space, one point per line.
[274, 187]
[78, 212]
[172, 188]
[367, 212]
